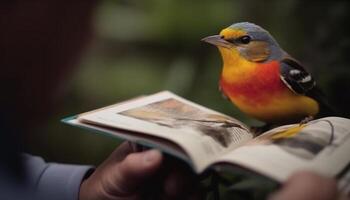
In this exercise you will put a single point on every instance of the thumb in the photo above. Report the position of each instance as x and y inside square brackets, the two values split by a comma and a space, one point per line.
[135, 169]
[307, 185]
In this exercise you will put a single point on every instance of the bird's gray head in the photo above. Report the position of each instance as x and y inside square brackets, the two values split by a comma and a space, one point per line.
[250, 40]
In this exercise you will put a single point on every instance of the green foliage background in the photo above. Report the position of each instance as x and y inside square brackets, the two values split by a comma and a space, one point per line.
[142, 47]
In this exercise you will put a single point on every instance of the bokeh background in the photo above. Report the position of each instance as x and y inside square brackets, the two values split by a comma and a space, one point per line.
[142, 47]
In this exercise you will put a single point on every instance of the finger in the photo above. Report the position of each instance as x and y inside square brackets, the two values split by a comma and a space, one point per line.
[307, 185]
[116, 156]
[134, 170]
[121, 152]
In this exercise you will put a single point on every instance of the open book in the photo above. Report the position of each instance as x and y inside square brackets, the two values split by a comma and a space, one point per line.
[205, 138]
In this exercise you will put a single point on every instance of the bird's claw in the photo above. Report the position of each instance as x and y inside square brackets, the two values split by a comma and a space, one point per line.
[258, 130]
[306, 120]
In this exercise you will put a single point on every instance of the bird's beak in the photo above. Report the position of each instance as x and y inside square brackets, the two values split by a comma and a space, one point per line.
[217, 40]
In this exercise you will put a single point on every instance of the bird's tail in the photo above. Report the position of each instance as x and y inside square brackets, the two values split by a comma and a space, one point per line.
[326, 109]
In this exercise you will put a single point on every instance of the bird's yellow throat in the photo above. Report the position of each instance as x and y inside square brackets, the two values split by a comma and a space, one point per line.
[235, 68]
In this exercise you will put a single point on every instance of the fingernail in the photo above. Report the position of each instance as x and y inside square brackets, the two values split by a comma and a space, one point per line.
[151, 156]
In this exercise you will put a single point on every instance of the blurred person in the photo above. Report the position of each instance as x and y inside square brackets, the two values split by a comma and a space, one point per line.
[40, 44]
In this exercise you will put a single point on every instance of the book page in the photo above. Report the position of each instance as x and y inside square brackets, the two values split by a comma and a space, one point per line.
[202, 133]
[321, 145]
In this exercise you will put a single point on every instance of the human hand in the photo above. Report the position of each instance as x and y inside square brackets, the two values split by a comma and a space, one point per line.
[126, 175]
[306, 186]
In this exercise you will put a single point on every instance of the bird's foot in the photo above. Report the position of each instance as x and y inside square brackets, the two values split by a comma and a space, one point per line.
[306, 120]
[258, 130]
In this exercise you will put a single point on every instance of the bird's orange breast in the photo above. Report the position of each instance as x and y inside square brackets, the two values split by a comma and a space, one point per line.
[256, 89]
[261, 93]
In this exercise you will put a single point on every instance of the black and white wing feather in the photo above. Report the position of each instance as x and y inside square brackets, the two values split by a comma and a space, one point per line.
[297, 79]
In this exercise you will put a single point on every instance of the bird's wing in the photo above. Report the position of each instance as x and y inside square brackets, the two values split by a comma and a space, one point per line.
[297, 79]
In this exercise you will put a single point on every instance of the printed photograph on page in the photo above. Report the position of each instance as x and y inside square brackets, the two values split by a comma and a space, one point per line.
[175, 114]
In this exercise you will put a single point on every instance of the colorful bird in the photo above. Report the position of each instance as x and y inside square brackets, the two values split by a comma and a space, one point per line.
[262, 80]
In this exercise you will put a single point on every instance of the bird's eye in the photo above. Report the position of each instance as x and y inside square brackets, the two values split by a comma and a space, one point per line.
[244, 39]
